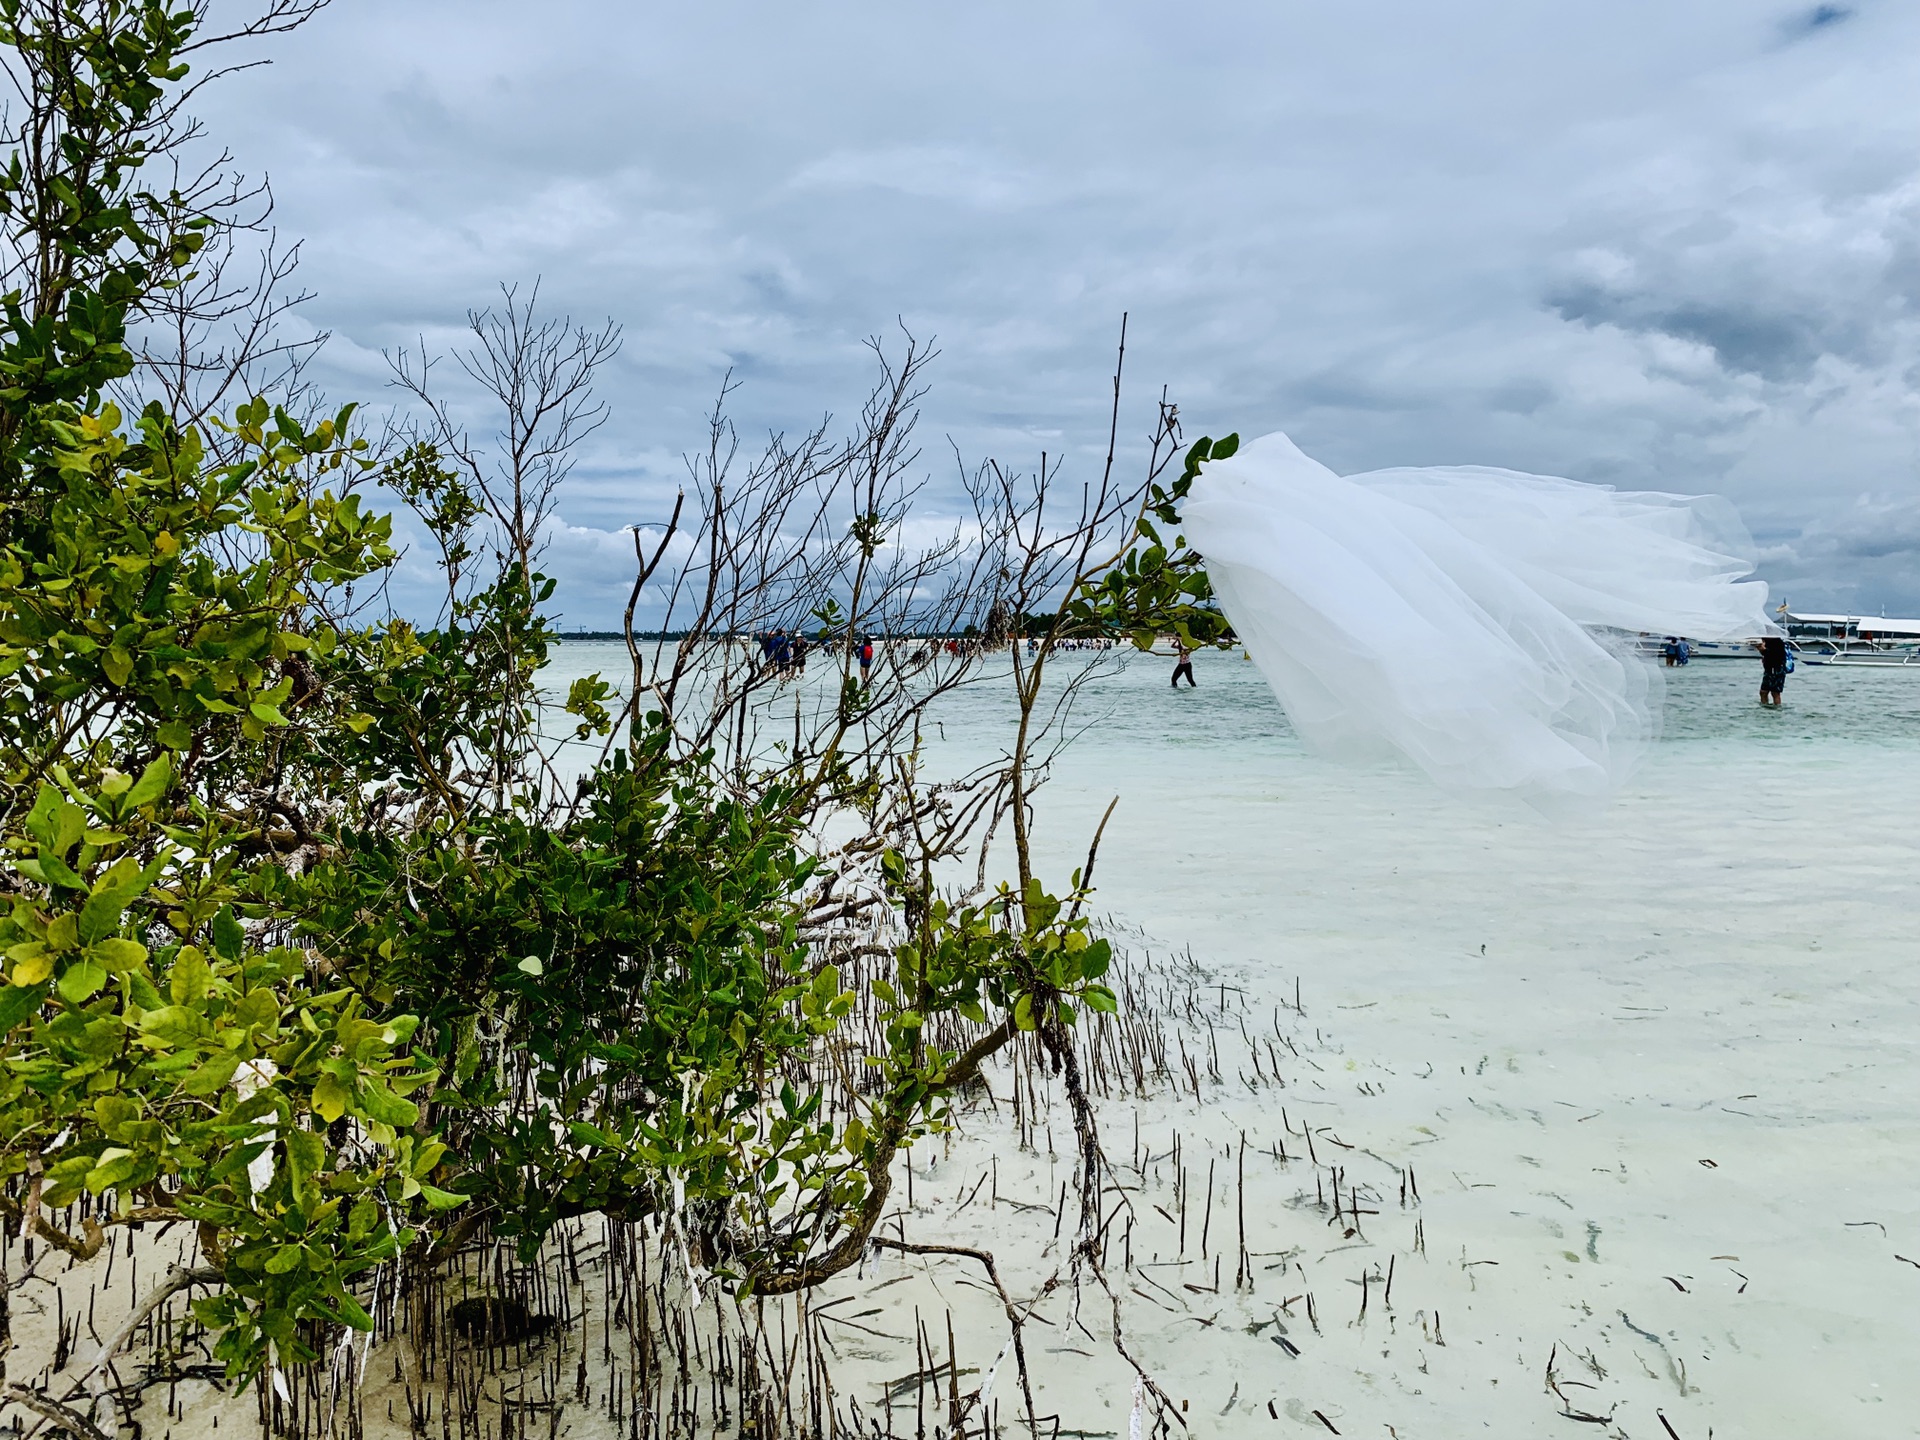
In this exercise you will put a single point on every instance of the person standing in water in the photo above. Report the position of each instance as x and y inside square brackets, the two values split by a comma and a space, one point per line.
[1773, 669]
[1184, 666]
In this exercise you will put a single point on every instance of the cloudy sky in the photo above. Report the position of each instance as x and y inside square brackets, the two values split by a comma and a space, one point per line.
[1663, 244]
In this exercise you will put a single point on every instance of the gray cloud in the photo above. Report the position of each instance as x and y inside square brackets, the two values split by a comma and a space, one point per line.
[1874, 527]
[1860, 557]
[1749, 338]
[1819, 17]
[1771, 272]
[1641, 243]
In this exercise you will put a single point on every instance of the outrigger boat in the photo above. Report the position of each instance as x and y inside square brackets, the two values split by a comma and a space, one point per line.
[1867, 640]
[1874, 641]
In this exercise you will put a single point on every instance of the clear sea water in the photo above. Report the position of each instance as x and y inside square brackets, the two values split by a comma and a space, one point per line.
[1795, 827]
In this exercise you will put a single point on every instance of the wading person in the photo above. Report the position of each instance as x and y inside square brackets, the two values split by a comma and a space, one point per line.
[1773, 669]
[1184, 666]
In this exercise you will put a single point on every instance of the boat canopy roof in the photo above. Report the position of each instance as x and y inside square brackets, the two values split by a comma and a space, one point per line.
[1872, 624]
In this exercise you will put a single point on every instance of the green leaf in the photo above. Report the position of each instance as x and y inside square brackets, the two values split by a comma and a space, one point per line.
[155, 779]
[17, 1002]
[32, 962]
[191, 978]
[257, 1007]
[69, 824]
[363, 1219]
[40, 821]
[353, 1312]
[115, 1166]
[81, 982]
[172, 1026]
[228, 938]
[175, 735]
[102, 1037]
[58, 872]
[286, 1259]
[380, 1103]
[114, 1112]
[441, 1199]
[306, 1153]
[142, 990]
[214, 1076]
[118, 954]
[331, 1098]
[100, 916]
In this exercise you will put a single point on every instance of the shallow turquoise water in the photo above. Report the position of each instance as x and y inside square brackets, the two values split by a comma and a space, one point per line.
[1710, 701]
[1127, 713]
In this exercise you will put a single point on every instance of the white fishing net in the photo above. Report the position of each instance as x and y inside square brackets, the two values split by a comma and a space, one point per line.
[1443, 614]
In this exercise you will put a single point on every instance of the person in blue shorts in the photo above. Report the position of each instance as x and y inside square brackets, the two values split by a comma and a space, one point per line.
[1773, 669]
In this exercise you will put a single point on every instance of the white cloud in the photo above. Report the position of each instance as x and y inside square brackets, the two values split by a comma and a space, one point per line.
[928, 172]
[1664, 246]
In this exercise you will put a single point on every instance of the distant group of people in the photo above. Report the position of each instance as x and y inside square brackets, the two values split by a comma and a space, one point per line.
[967, 645]
[1676, 651]
[784, 652]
